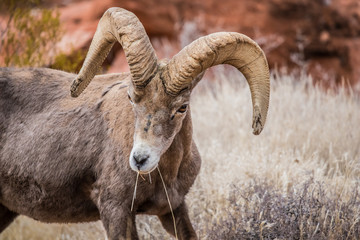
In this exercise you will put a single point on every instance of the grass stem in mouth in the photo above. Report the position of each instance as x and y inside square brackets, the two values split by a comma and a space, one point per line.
[134, 195]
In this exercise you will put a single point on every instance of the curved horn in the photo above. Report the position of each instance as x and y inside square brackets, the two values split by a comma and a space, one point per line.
[120, 25]
[235, 49]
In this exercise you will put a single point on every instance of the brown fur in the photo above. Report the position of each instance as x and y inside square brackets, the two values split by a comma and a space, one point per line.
[67, 160]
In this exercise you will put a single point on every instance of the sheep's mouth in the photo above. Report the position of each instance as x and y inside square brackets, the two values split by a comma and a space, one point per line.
[142, 172]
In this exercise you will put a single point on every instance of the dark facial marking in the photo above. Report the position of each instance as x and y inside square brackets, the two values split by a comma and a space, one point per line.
[148, 124]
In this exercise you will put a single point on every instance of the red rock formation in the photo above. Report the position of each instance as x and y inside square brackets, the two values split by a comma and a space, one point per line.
[320, 36]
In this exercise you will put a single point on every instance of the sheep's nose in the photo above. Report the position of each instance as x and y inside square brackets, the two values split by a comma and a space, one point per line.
[140, 160]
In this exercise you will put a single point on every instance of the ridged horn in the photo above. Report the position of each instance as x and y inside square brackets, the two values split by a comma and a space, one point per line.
[120, 25]
[231, 48]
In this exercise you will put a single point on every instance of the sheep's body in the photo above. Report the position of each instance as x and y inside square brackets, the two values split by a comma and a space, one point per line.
[54, 170]
[42, 162]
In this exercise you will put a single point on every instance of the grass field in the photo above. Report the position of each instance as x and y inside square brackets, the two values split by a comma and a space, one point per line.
[299, 179]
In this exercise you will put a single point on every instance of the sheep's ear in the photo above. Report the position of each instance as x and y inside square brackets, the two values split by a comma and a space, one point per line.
[120, 25]
[235, 49]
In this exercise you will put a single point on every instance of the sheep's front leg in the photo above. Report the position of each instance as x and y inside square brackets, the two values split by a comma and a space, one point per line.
[6, 217]
[183, 224]
[119, 223]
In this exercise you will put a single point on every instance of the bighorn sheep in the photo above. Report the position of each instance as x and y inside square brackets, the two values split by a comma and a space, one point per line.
[76, 160]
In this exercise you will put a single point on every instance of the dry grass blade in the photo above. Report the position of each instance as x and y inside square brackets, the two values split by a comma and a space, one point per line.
[134, 195]
[142, 177]
[167, 196]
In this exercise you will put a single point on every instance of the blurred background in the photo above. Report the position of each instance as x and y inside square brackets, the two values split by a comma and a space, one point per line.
[300, 179]
[320, 37]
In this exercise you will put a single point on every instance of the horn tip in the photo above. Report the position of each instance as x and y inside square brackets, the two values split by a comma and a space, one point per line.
[257, 122]
[74, 94]
[74, 89]
[257, 131]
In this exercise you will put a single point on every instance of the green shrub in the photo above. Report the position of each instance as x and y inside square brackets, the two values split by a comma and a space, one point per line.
[30, 35]
[69, 62]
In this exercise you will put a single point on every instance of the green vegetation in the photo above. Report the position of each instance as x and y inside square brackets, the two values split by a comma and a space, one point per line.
[69, 62]
[30, 35]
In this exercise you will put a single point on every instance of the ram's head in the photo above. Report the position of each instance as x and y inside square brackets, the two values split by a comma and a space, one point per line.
[160, 90]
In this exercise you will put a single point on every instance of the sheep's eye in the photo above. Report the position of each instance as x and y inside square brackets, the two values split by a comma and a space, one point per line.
[182, 109]
[129, 98]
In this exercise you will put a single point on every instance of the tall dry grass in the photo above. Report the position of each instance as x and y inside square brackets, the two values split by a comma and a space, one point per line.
[298, 180]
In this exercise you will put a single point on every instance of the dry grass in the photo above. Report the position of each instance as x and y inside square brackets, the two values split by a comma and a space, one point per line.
[298, 180]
